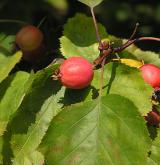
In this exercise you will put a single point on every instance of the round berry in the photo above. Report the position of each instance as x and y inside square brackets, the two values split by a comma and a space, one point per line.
[76, 73]
[151, 74]
[29, 38]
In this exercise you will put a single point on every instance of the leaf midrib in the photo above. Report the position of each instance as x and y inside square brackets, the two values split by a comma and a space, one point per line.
[41, 116]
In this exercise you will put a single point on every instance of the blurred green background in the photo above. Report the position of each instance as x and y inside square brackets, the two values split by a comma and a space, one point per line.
[118, 16]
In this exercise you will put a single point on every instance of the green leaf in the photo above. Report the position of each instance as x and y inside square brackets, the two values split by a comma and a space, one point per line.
[125, 81]
[155, 150]
[6, 42]
[151, 162]
[60, 4]
[1, 149]
[104, 131]
[91, 3]
[12, 92]
[34, 158]
[146, 56]
[7, 63]
[137, 53]
[38, 108]
[72, 96]
[37, 158]
[11, 95]
[79, 38]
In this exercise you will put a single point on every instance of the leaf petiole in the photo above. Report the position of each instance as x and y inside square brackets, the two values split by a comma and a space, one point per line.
[96, 27]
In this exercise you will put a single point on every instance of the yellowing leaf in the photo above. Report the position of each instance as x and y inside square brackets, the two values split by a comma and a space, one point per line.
[130, 62]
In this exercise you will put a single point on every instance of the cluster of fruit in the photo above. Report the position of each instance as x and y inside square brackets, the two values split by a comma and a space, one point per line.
[75, 72]
[78, 72]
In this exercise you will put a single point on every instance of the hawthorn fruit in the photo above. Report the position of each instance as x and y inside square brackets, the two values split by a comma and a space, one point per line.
[151, 74]
[76, 73]
[29, 38]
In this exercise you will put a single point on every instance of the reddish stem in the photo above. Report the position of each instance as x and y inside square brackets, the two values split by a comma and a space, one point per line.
[110, 50]
[134, 32]
[130, 42]
[149, 39]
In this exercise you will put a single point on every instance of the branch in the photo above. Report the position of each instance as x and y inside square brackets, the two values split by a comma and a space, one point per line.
[110, 50]
[130, 42]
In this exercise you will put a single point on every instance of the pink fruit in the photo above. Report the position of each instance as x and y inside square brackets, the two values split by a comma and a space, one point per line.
[151, 74]
[76, 73]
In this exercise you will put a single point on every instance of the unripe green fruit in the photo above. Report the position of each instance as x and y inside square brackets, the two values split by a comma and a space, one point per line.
[76, 73]
[151, 74]
[29, 38]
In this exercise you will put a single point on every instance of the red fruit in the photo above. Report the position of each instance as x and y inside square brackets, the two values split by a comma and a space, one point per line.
[151, 74]
[29, 38]
[76, 73]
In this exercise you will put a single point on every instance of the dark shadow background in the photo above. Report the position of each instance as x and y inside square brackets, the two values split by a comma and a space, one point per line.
[118, 16]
